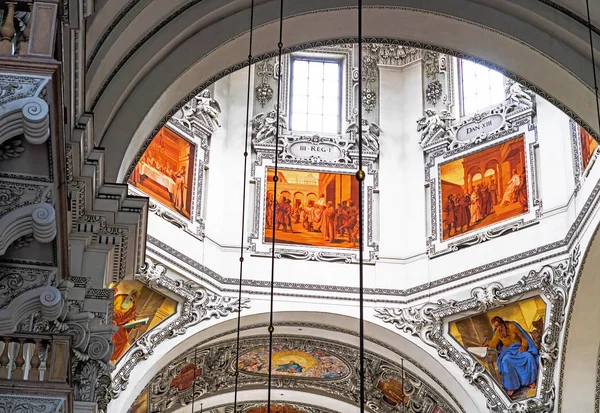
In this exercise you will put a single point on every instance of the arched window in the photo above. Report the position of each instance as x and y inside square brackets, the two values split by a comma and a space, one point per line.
[480, 86]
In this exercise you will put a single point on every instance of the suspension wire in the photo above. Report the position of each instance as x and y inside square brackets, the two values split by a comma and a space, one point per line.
[242, 231]
[589, 21]
[194, 382]
[360, 177]
[275, 179]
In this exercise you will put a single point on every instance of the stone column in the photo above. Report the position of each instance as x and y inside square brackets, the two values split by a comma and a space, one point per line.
[403, 219]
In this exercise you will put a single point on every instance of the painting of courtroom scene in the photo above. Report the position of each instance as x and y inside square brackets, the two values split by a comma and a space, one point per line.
[312, 362]
[140, 405]
[588, 147]
[506, 341]
[166, 171]
[136, 309]
[483, 188]
[312, 208]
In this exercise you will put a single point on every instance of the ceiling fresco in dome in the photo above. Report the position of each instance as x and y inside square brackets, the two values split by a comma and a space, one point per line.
[310, 362]
[312, 208]
[277, 408]
[136, 309]
[506, 341]
[166, 171]
[484, 188]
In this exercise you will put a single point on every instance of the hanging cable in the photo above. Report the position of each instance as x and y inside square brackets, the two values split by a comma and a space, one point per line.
[360, 177]
[275, 179]
[243, 225]
[194, 382]
[587, 3]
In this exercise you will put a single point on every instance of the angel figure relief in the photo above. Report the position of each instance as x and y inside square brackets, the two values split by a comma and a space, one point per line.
[433, 126]
[370, 133]
[204, 106]
[264, 126]
[518, 96]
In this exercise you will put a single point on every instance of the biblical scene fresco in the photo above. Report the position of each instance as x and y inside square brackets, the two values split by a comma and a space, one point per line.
[506, 342]
[166, 171]
[312, 208]
[483, 188]
[275, 408]
[185, 379]
[588, 147]
[311, 362]
[136, 310]
[391, 391]
[140, 405]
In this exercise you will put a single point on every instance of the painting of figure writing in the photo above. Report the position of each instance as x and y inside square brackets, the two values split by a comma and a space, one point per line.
[484, 188]
[588, 147]
[506, 341]
[312, 208]
[136, 309]
[166, 170]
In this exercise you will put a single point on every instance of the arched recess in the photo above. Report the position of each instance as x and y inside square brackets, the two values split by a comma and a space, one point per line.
[335, 327]
[131, 100]
[581, 354]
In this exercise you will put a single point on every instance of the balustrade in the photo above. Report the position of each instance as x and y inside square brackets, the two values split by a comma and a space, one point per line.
[28, 27]
[36, 358]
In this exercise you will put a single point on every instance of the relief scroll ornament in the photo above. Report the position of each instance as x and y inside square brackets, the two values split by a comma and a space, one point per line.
[201, 109]
[199, 305]
[553, 282]
[434, 128]
[264, 127]
[370, 134]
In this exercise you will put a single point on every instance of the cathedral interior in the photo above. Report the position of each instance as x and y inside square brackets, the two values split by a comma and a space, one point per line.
[258, 206]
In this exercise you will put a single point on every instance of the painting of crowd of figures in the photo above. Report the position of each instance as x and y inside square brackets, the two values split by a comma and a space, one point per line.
[312, 208]
[588, 147]
[165, 171]
[484, 188]
[136, 310]
[506, 341]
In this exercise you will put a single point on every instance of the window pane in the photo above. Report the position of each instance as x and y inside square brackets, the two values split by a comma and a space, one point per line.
[332, 71]
[481, 87]
[331, 89]
[315, 87]
[330, 124]
[300, 69]
[300, 104]
[315, 105]
[299, 121]
[330, 107]
[314, 123]
[315, 70]
[300, 86]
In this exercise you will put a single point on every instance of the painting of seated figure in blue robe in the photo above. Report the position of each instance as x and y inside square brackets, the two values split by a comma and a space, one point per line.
[506, 342]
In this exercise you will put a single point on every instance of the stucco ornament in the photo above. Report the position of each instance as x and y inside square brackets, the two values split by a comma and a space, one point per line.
[434, 127]
[553, 282]
[202, 110]
[198, 305]
[264, 127]
[370, 134]
[518, 96]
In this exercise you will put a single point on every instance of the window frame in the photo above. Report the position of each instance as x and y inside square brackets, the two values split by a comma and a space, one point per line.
[324, 58]
[461, 94]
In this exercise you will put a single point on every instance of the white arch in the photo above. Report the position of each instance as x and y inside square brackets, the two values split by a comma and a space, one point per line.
[192, 48]
[341, 328]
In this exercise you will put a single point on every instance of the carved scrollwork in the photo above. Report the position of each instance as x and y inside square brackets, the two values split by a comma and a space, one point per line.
[554, 282]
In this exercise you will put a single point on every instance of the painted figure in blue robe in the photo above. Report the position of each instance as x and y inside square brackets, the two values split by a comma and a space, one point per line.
[518, 356]
[291, 367]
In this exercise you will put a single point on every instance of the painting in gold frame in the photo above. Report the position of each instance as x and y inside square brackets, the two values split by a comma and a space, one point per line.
[588, 147]
[136, 309]
[506, 342]
[312, 208]
[166, 171]
[484, 188]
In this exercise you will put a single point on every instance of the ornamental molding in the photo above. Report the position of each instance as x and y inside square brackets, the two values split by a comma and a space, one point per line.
[37, 219]
[217, 365]
[553, 282]
[31, 404]
[198, 305]
[201, 113]
[247, 405]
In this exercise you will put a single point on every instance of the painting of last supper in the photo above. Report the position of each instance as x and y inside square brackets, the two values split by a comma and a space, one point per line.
[312, 208]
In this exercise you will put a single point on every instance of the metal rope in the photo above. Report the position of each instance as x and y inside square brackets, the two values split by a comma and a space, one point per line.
[239, 314]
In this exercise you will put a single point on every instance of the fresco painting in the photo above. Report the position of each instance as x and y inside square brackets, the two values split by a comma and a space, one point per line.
[392, 392]
[312, 208]
[484, 188]
[140, 405]
[275, 408]
[166, 171]
[185, 379]
[588, 147]
[136, 310]
[506, 342]
[311, 362]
